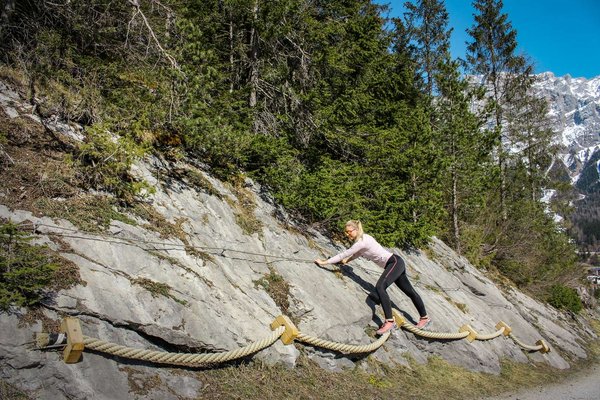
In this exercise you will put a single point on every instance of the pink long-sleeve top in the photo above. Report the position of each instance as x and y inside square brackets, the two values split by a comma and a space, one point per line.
[366, 247]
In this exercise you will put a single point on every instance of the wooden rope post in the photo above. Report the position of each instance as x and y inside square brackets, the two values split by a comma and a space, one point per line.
[72, 328]
[507, 329]
[290, 332]
[472, 332]
[399, 319]
[545, 348]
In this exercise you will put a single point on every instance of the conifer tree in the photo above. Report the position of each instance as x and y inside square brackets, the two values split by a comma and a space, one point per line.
[427, 24]
[521, 237]
[492, 56]
[466, 145]
[530, 138]
[427, 42]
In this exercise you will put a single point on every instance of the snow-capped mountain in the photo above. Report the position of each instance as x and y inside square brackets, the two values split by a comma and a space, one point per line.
[574, 107]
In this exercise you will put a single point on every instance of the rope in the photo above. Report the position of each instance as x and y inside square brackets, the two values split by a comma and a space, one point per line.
[428, 334]
[434, 335]
[491, 335]
[525, 346]
[341, 347]
[185, 359]
[282, 328]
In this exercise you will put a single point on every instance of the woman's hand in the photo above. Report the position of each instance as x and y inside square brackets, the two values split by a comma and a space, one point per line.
[318, 261]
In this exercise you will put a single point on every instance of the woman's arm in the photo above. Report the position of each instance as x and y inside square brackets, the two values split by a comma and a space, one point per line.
[347, 255]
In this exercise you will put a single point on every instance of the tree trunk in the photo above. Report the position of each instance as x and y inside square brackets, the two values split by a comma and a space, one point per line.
[8, 7]
[455, 229]
[254, 57]
[231, 56]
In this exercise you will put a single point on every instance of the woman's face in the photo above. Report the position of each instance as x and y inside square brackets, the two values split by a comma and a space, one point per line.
[351, 232]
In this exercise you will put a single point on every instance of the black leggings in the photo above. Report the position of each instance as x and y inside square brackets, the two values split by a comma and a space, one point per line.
[395, 272]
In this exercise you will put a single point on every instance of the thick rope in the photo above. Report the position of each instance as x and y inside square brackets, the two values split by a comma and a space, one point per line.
[434, 335]
[525, 346]
[490, 335]
[428, 334]
[341, 347]
[190, 360]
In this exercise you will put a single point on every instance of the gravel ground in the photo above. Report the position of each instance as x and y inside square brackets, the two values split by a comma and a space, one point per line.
[583, 386]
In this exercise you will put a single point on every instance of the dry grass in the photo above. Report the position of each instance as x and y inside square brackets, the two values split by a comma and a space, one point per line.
[435, 380]
[9, 392]
[244, 207]
[277, 288]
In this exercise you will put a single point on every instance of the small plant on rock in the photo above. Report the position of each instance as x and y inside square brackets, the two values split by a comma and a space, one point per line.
[104, 162]
[25, 270]
[564, 297]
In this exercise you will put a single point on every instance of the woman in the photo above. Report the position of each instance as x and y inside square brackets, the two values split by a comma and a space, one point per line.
[394, 272]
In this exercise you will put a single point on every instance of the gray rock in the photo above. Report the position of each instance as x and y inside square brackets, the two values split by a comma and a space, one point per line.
[204, 290]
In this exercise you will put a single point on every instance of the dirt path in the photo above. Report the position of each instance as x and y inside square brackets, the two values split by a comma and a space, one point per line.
[583, 386]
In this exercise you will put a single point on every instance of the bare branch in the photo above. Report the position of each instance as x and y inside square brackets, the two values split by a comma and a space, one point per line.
[136, 5]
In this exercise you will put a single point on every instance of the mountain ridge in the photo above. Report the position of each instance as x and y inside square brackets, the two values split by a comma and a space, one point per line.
[574, 109]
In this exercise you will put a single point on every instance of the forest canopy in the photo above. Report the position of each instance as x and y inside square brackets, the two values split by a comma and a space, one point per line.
[339, 112]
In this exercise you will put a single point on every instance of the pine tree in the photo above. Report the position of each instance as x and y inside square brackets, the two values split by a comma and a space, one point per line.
[492, 55]
[427, 22]
[466, 145]
[521, 237]
[530, 138]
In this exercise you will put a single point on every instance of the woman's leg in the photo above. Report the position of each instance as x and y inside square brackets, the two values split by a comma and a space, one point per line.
[404, 285]
[393, 270]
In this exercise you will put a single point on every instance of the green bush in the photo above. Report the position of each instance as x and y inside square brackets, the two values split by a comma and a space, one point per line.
[25, 270]
[104, 161]
[564, 297]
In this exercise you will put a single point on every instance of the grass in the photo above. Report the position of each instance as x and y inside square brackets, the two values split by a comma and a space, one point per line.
[88, 212]
[435, 380]
[157, 289]
[199, 182]
[277, 288]
[244, 207]
[7, 391]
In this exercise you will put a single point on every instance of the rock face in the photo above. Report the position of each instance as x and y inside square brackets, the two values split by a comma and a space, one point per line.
[575, 112]
[215, 276]
[575, 108]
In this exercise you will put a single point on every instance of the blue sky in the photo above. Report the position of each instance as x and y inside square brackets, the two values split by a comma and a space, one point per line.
[560, 36]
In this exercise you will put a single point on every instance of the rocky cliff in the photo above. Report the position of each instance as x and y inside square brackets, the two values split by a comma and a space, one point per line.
[228, 262]
[575, 113]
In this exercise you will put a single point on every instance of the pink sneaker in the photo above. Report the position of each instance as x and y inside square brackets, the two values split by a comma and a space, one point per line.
[423, 322]
[387, 326]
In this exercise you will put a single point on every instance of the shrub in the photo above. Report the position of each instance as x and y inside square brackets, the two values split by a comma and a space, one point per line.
[25, 270]
[564, 297]
[104, 161]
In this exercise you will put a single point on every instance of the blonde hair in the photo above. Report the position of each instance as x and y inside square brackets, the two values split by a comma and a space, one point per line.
[356, 224]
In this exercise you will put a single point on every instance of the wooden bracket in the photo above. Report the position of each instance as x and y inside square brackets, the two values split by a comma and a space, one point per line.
[72, 327]
[545, 348]
[507, 329]
[290, 332]
[399, 319]
[472, 332]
